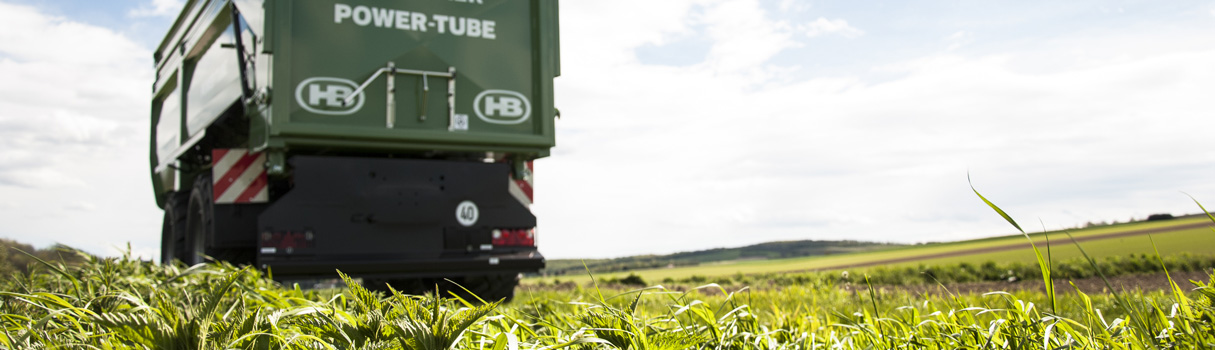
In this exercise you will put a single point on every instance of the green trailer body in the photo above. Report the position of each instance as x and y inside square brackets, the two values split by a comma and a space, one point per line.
[451, 82]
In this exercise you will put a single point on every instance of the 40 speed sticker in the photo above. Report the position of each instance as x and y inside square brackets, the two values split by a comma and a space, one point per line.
[467, 213]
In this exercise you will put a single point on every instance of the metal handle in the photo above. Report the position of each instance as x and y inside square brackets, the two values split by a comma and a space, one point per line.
[392, 93]
[391, 70]
[425, 97]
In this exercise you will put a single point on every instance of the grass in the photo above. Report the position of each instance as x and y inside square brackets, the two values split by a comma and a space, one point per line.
[128, 304]
[1196, 240]
[123, 303]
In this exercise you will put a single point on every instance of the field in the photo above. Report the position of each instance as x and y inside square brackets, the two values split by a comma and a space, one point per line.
[124, 303]
[761, 251]
[1186, 235]
[130, 304]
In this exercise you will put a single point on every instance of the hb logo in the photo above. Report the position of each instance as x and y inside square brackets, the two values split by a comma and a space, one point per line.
[324, 95]
[502, 107]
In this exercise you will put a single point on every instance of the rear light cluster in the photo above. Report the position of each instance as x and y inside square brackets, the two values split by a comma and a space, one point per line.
[515, 237]
[278, 242]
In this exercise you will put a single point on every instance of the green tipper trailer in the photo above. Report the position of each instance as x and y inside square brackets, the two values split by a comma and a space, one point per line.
[392, 140]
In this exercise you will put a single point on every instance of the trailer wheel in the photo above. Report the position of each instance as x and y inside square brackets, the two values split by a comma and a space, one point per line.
[200, 221]
[173, 230]
[490, 287]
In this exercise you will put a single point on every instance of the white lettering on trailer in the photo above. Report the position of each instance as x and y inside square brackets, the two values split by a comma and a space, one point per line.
[505, 106]
[325, 95]
[340, 12]
[414, 21]
[487, 29]
[383, 17]
[331, 94]
[362, 15]
[419, 22]
[502, 107]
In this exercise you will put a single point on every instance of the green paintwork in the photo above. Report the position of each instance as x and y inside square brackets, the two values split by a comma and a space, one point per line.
[303, 47]
[310, 43]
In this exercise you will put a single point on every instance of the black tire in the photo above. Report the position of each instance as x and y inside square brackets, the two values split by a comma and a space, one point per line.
[490, 288]
[200, 222]
[173, 230]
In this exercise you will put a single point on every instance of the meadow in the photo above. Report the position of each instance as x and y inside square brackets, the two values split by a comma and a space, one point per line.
[125, 303]
[129, 304]
[1189, 235]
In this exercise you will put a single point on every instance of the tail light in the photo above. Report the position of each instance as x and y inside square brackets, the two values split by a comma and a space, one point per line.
[515, 237]
[289, 242]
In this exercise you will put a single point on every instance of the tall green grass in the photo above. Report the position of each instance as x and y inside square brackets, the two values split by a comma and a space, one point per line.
[926, 274]
[127, 304]
[124, 303]
[1145, 324]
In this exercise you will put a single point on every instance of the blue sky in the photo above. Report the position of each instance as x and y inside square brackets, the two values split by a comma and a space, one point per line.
[693, 124]
[141, 20]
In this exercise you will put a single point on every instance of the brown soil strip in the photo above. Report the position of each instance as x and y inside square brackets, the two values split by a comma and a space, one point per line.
[1094, 285]
[1091, 286]
[1005, 247]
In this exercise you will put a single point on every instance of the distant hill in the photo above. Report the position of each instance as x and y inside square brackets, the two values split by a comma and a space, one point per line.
[762, 251]
[12, 260]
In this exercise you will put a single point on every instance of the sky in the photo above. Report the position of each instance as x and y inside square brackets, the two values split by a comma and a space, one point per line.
[695, 124]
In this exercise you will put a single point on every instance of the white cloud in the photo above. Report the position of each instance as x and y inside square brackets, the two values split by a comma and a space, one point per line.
[39, 178]
[959, 39]
[80, 206]
[158, 8]
[687, 158]
[618, 28]
[73, 133]
[823, 26]
[794, 6]
[744, 37]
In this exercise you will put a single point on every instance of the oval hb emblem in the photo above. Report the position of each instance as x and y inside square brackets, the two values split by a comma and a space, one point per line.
[326, 95]
[502, 107]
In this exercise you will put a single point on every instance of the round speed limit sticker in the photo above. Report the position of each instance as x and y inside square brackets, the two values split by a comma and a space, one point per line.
[467, 213]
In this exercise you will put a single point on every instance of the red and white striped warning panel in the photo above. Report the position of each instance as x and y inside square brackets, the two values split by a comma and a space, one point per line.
[522, 188]
[238, 176]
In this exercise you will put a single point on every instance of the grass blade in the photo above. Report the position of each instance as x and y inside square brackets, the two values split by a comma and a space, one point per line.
[1118, 297]
[1043, 264]
[993, 206]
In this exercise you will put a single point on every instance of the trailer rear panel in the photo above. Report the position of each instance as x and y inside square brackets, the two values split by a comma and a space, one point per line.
[465, 75]
[373, 76]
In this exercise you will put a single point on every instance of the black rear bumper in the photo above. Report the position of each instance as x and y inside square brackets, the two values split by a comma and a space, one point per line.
[387, 268]
[393, 218]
